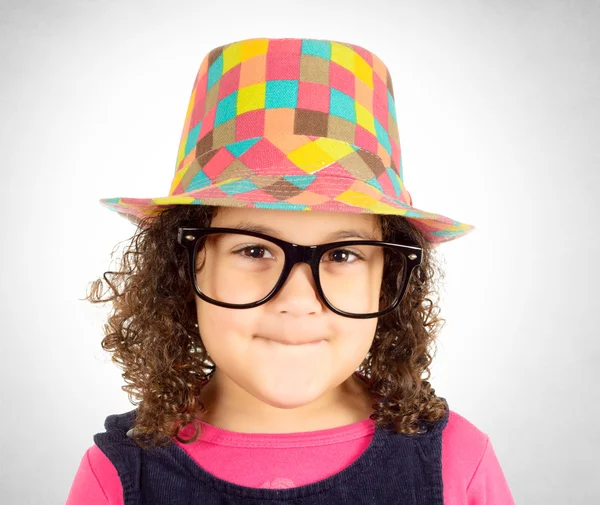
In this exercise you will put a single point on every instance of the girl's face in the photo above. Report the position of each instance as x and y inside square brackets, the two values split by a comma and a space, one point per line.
[258, 376]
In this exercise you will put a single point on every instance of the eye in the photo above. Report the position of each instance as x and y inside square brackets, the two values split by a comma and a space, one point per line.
[254, 251]
[341, 256]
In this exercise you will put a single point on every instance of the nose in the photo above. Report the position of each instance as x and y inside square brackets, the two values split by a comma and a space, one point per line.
[299, 294]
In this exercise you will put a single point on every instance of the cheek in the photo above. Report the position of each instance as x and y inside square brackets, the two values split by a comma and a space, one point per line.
[222, 327]
[354, 337]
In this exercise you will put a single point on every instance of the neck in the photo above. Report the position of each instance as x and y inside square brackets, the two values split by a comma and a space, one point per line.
[238, 411]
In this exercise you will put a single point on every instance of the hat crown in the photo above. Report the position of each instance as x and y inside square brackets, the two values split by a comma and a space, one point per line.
[290, 107]
[291, 124]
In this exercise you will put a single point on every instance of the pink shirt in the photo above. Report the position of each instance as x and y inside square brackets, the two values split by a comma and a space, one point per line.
[471, 472]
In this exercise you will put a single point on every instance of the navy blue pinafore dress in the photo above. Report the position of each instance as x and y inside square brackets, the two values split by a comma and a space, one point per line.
[395, 469]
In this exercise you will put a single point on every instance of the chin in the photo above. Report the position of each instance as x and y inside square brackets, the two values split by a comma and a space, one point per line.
[286, 395]
[287, 403]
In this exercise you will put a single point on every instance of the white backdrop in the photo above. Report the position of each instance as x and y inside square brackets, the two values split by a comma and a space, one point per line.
[498, 105]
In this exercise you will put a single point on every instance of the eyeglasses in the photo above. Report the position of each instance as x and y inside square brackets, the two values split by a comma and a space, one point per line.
[242, 269]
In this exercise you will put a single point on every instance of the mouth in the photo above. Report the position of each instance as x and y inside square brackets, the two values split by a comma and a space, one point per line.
[271, 341]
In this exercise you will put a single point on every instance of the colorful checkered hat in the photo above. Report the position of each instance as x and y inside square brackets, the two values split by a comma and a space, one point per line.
[292, 124]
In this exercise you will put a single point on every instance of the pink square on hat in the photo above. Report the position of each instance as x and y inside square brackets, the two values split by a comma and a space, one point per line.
[200, 97]
[218, 163]
[266, 159]
[282, 66]
[365, 139]
[313, 96]
[342, 79]
[250, 124]
[256, 195]
[229, 82]
[379, 87]
[289, 45]
[339, 174]
[331, 186]
[380, 100]
[386, 183]
[380, 111]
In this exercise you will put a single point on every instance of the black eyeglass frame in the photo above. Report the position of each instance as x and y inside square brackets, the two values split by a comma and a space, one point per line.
[295, 253]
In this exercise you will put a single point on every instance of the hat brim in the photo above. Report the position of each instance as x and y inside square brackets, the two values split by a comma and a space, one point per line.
[358, 197]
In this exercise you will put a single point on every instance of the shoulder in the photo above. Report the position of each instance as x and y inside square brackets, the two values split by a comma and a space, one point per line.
[470, 464]
[100, 463]
[463, 436]
[468, 458]
[107, 474]
[463, 447]
[96, 481]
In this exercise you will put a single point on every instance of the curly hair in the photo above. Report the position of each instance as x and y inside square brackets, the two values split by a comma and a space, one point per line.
[152, 336]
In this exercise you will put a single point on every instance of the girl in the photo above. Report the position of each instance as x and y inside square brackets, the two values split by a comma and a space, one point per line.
[278, 356]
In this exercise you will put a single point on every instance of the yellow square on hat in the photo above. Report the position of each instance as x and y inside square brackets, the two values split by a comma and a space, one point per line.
[343, 56]
[310, 157]
[251, 98]
[231, 56]
[365, 119]
[363, 70]
[334, 147]
[254, 47]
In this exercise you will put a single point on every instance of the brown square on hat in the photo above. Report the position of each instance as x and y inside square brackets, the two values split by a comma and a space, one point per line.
[310, 122]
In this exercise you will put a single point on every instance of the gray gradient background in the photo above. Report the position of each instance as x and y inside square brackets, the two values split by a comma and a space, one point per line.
[498, 106]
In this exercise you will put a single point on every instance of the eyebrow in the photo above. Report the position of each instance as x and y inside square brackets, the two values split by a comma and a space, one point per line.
[336, 235]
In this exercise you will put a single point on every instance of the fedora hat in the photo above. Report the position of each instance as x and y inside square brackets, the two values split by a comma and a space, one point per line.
[291, 124]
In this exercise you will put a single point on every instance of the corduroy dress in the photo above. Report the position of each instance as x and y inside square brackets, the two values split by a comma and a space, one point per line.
[394, 469]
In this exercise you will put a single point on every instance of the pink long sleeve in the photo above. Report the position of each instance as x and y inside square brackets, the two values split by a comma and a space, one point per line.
[471, 472]
[96, 481]
[489, 485]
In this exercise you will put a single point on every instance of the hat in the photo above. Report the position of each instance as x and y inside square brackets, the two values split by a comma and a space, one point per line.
[292, 124]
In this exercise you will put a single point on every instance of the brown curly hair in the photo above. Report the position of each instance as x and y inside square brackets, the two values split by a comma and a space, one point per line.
[152, 336]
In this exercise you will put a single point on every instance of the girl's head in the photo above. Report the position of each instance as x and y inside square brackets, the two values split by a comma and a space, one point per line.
[172, 344]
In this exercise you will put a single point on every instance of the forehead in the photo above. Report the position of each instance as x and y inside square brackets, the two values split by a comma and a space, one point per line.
[298, 225]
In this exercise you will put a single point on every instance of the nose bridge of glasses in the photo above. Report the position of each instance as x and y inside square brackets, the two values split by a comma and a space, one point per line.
[298, 254]
[302, 254]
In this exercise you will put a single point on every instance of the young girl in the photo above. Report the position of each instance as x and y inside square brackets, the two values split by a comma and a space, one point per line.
[273, 314]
